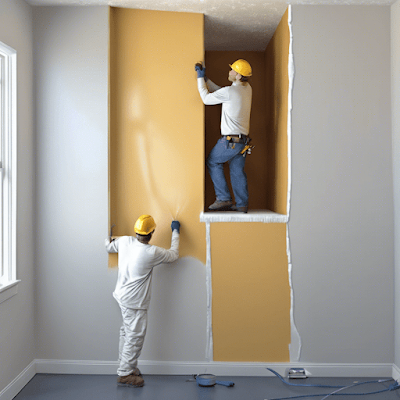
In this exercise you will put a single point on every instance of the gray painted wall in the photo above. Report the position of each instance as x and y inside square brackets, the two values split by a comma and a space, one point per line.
[73, 286]
[395, 24]
[77, 317]
[17, 313]
[341, 224]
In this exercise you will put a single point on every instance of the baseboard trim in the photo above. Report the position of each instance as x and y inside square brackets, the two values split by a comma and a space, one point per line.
[84, 367]
[11, 390]
[216, 368]
[396, 372]
[79, 367]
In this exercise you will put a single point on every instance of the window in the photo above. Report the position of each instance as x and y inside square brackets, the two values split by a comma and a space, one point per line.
[8, 144]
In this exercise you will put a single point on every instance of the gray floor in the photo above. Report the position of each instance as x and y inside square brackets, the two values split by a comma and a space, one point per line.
[161, 387]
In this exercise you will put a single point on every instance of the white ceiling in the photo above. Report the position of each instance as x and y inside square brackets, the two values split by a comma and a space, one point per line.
[244, 25]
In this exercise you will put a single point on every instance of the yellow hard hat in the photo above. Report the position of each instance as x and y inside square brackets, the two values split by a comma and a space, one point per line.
[144, 225]
[242, 67]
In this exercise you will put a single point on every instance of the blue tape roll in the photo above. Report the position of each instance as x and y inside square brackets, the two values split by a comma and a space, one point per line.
[210, 380]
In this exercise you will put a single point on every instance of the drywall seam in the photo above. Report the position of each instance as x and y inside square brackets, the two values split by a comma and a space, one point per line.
[209, 344]
[295, 345]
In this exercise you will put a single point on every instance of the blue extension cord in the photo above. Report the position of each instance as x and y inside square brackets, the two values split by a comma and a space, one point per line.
[392, 387]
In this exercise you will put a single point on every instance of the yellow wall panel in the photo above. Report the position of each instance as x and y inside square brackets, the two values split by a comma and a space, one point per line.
[156, 140]
[251, 293]
[277, 89]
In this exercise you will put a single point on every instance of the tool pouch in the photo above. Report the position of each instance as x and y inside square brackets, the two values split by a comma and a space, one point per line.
[247, 148]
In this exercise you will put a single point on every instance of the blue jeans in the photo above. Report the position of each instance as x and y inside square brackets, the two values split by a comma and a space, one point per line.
[219, 155]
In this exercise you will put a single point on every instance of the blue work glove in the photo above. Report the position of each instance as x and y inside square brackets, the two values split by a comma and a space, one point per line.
[201, 71]
[175, 225]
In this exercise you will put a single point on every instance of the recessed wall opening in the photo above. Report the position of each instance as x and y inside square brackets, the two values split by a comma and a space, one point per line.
[161, 133]
[267, 166]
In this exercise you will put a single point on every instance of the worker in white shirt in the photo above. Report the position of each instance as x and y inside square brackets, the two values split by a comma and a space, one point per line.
[136, 260]
[235, 124]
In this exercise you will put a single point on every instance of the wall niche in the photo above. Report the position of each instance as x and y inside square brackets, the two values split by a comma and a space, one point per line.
[267, 166]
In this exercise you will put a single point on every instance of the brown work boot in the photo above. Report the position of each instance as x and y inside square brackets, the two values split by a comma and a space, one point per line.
[221, 205]
[130, 380]
[137, 372]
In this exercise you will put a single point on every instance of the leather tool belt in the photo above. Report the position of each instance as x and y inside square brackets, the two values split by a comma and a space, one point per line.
[237, 139]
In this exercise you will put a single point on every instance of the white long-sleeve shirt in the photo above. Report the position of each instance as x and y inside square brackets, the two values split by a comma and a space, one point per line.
[135, 266]
[236, 104]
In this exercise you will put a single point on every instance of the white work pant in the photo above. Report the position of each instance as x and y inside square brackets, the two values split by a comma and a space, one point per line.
[131, 339]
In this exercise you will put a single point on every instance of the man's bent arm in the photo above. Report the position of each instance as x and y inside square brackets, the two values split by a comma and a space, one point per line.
[111, 247]
[211, 86]
[171, 255]
[209, 99]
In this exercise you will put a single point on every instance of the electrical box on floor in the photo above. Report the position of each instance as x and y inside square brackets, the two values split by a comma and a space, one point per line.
[296, 373]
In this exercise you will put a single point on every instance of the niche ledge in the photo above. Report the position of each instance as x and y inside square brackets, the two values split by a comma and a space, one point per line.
[265, 216]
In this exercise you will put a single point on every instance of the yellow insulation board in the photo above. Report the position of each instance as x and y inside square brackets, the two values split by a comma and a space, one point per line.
[156, 137]
[251, 293]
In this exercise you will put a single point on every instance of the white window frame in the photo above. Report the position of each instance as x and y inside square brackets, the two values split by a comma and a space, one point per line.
[8, 172]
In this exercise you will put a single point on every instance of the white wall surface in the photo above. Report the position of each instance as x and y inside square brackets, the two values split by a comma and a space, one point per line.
[395, 45]
[77, 317]
[17, 313]
[341, 224]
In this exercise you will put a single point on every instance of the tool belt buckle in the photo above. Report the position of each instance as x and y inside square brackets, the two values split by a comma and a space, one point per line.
[232, 139]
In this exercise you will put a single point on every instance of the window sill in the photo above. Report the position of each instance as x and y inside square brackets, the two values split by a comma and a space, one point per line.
[8, 290]
[252, 216]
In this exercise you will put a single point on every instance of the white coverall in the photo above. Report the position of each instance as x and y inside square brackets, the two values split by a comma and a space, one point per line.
[133, 291]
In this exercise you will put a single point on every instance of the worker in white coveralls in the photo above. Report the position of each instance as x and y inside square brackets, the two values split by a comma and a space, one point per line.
[235, 124]
[136, 260]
